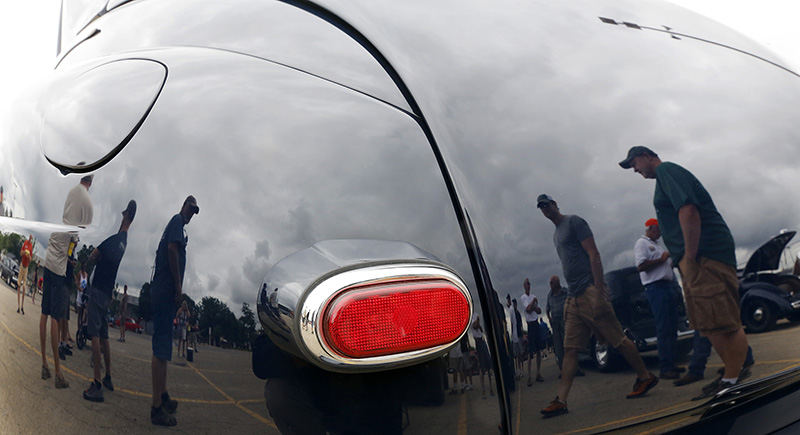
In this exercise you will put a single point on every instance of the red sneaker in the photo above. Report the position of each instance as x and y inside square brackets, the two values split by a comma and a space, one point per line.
[641, 387]
[556, 407]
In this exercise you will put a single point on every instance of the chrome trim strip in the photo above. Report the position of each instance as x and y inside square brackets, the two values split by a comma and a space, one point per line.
[309, 328]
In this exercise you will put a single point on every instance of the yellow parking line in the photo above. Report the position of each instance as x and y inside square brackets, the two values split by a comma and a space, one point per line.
[625, 420]
[660, 429]
[235, 403]
[462, 416]
[230, 400]
[519, 405]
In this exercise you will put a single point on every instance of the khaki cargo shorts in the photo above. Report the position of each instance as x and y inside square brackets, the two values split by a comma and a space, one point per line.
[590, 313]
[711, 290]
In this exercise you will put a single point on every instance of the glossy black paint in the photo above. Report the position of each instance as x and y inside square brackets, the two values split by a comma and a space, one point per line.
[295, 123]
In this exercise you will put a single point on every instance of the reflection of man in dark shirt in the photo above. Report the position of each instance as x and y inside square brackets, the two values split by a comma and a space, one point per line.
[700, 242]
[107, 257]
[167, 291]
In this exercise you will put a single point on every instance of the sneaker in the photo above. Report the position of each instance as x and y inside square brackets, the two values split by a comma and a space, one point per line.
[17, 310]
[94, 393]
[713, 389]
[743, 373]
[168, 404]
[61, 353]
[107, 383]
[67, 350]
[555, 408]
[641, 387]
[159, 417]
[45, 373]
[539, 378]
[687, 379]
[61, 382]
[22, 310]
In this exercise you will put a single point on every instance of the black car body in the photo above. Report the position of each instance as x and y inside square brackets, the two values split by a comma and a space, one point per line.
[337, 144]
[767, 294]
[636, 317]
[10, 271]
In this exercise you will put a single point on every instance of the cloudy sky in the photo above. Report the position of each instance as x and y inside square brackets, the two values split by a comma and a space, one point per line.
[29, 40]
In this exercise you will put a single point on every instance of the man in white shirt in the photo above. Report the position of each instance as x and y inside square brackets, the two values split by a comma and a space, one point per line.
[78, 211]
[655, 270]
[530, 305]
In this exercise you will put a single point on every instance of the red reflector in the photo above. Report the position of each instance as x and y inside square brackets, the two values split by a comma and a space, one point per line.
[393, 318]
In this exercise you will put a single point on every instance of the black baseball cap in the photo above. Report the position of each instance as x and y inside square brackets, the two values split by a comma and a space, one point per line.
[130, 210]
[193, 203]
[636, 152]
[543, 200]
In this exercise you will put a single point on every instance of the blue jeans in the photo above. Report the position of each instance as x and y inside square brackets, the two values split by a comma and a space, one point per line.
[701, 349]
[665, 311]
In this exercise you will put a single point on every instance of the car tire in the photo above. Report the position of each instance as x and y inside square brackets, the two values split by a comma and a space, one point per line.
[759, 315]
[605, 358]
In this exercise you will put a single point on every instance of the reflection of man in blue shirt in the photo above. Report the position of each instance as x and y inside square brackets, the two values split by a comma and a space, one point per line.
[167, 291]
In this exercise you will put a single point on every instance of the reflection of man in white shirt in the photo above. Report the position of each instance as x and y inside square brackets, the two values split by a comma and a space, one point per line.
[655, 270]
[530, 306]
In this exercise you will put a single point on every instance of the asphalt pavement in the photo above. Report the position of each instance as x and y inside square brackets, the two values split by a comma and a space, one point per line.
[218, 391]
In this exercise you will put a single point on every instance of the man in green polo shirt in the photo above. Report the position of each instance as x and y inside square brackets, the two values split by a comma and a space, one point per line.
[700, 243]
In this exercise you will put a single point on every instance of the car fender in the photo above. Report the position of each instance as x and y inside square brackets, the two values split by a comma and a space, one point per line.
[767, 292]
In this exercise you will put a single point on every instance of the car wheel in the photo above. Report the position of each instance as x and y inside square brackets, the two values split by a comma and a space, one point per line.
[604, 356]
[758, 315]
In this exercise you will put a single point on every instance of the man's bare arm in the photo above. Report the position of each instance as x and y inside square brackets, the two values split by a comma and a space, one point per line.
[597, 264]
[173, 257]
[689, 218]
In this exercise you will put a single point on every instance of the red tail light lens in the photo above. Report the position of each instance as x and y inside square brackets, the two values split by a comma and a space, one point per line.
[393, 318]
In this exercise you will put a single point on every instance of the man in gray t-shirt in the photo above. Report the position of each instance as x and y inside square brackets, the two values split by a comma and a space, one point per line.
[570, 231]
[587, 309]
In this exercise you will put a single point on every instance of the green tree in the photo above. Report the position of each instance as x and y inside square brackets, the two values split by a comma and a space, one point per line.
[247, 325]
[11, 243]
[144, 302]
[215, 314]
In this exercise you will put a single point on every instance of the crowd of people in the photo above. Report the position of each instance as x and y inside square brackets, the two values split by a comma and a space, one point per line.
[95, 282]
[696, 240]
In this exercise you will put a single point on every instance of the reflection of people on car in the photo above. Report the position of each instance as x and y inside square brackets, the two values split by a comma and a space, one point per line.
[699, 240]
[655, 271]
[555, 314]
[107, 258]
[587, 308]
[484, 360]
[530, 304]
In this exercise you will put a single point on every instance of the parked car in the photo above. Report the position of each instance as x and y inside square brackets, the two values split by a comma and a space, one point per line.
[10, 271]
[131, 325]
[638, 322]
[367, 173]
[767, 293]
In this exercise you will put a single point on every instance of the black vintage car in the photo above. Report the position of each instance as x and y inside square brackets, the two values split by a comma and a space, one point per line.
[767, 294]
[636, 317]
[9, 271]
[367, 173]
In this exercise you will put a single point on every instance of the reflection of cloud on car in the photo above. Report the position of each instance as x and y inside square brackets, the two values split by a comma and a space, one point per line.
[767, 293]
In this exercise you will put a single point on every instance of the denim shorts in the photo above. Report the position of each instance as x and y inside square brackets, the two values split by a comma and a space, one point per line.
[55, 299]
[164, 310]
[97, 325]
